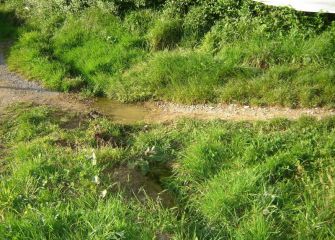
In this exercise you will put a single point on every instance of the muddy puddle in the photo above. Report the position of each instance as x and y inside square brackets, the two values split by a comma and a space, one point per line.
[122, 112]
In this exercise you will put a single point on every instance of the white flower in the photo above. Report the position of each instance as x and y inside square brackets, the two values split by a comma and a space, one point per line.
[96, 180]
[150, 151]
[103, 193]
[94, 159]
[266, 212]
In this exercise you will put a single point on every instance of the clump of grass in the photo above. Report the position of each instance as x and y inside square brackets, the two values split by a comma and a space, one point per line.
[52, 183]
[31, 57]
[178, 76]
[114, 48]
[139, 22]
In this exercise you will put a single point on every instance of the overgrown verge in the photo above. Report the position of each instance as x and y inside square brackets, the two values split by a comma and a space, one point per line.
[262, 180]
[182, 51]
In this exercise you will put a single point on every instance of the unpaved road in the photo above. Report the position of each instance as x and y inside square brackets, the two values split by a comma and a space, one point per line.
[239, 113]
[15, 89]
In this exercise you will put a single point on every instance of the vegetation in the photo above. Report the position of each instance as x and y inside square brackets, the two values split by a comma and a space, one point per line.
[178, 50]
[262, 180]
[75, 176]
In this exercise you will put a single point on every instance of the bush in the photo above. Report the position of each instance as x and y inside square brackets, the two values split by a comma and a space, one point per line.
[9, 24]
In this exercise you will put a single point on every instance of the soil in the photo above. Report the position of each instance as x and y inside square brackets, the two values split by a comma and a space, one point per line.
[15, 89]
[235, 112]
[135, 184]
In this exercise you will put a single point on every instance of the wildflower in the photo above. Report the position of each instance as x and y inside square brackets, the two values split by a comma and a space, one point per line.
[150, 151]
[103, 193]
[266, 212]
[94, 158]
[96, 180]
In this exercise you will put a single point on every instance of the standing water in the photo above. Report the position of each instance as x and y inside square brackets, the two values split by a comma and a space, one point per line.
[120, 112]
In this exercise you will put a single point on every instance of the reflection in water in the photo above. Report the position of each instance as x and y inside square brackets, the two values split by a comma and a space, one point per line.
[121, 112]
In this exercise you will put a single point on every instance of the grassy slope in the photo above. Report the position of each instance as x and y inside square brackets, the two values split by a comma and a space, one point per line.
[262, 180]
[182, 51]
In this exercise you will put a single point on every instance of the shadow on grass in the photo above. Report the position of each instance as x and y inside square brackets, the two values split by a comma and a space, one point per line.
[9, 25]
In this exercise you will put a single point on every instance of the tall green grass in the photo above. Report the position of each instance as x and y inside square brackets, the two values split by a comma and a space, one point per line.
[262, 180]
[183, 51]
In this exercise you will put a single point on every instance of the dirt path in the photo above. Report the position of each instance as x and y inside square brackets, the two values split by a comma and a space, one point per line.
[15, 89]
[237, 113]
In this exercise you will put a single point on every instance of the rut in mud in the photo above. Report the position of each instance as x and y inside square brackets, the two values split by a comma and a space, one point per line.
[15, 89]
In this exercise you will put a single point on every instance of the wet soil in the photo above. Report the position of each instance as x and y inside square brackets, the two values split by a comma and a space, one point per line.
[235, 112]
[143, 187]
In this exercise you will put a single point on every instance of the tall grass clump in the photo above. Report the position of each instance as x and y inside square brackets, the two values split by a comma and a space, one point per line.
[96, 46]
[177, 76]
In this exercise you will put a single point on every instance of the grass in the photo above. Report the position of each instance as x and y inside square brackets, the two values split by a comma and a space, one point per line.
[200, 52]
[243, 180]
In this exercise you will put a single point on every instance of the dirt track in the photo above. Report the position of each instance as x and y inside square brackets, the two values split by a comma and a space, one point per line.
[15, 89]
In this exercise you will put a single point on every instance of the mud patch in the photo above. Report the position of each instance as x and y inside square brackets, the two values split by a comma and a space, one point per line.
[134, 184]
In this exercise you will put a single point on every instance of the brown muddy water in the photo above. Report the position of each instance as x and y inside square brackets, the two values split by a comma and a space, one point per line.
[121, 112]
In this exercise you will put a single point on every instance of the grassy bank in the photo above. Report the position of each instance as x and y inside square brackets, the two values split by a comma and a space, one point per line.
[182, 51]
[69, 176]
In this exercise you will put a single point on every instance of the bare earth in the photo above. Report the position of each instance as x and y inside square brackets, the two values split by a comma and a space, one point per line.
[15, 89]
[238, 113]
